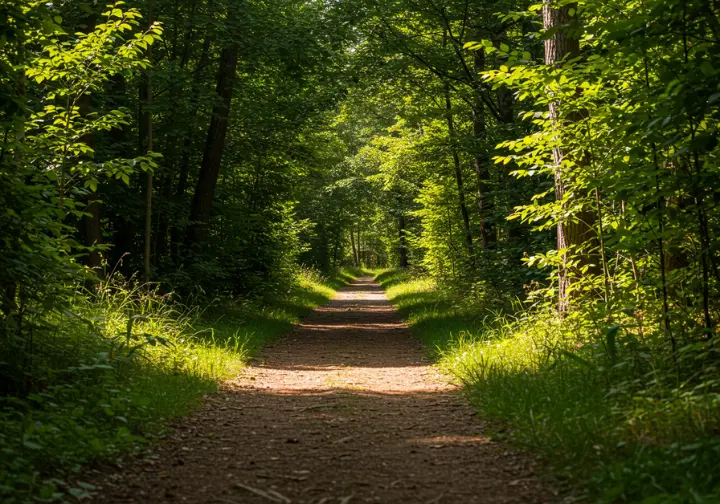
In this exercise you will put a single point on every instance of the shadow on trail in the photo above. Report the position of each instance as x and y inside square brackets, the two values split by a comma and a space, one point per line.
[346, 409]
[310, 446]
[359, 328]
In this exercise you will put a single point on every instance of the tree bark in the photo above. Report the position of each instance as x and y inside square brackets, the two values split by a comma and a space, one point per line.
[91, 222]
[577, 232]
[212, 158]
[335, 251]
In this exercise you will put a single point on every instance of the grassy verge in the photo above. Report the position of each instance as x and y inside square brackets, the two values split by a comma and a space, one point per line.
[119, 364]
[605, 407]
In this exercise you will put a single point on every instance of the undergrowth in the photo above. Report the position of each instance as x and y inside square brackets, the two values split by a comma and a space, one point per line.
[614, 414]
[102, 377]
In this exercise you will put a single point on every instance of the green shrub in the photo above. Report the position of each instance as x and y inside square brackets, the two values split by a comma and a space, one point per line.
[605, 405]
[107, 374]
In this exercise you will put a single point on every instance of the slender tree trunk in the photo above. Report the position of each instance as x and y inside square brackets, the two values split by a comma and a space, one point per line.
[578, 231]
[481, 161]
[178, 233]
[149, 181]
[212, 159]
[336, 247]
[354, 249]
[459, 177]
[91, 222]
[452, 244]
[403, 242]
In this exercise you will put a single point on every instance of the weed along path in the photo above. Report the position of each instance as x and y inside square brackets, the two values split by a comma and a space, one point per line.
[344, 410]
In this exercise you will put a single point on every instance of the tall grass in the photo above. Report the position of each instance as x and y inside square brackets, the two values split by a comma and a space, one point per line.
[614, 414]
[107, 373]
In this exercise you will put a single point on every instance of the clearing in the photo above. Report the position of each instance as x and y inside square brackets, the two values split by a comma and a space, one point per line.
[346, 409]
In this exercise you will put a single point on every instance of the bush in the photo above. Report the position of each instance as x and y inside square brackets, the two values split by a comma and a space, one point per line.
[105, 375]
[606, 405]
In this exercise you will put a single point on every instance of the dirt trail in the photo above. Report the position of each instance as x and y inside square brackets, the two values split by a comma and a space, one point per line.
[345, 410]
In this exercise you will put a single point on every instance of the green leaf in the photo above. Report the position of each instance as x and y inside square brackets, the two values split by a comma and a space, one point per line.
[32, 445]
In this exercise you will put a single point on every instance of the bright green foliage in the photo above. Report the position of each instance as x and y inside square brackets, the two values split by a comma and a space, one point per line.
[617, 142]
[72, 70]
[576, 401]
[236, 143]
[640, 151]
[47, 167]
[125, 359]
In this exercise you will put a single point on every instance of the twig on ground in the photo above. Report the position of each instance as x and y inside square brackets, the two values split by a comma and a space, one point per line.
[280, 496]
[318, 406]
[274, 496]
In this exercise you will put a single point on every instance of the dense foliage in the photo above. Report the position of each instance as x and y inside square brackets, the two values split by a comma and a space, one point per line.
[553, 162]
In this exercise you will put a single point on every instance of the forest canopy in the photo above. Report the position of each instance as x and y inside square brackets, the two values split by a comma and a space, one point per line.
[552, 166]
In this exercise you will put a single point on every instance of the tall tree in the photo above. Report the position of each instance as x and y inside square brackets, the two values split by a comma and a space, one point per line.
[575, 232]
[215, 145]
[149, 180]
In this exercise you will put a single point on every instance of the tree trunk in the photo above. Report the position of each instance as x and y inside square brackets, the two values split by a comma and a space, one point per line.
[354, 248]
[149, 181]
[578, 231]
[91, 225]
[178, 232]
[335, 251]
[91, 222]
[93, 234]
[212, 158]
[481, 161]
[459, 177]
[403, 242]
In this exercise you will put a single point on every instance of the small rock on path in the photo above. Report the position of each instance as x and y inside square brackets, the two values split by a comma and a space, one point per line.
[344, 410]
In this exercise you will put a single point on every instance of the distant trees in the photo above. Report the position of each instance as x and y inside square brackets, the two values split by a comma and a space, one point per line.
[193, 180]
[456, 137]
[513, 118]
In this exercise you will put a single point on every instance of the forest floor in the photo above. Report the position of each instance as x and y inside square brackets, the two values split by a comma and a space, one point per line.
[346, 409]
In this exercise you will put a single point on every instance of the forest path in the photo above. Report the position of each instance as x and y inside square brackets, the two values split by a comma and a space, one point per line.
[344, 410]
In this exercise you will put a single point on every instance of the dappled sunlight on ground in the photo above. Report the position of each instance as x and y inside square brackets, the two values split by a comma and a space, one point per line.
[346, 409]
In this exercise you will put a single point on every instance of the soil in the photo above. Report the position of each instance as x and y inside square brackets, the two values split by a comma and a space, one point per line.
[346, 409]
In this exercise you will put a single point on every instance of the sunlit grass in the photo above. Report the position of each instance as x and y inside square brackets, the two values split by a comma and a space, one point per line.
[623, 424]
[121, 362]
